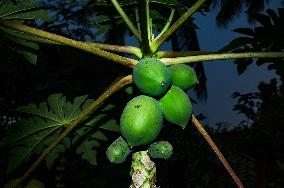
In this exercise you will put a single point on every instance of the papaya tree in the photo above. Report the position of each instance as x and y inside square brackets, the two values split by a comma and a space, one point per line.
[159, 78]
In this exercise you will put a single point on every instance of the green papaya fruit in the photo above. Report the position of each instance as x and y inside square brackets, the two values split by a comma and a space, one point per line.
[151, 76]
[141, 120]
[176, 106]
[118, 151]
[183, 76]
[161, 149]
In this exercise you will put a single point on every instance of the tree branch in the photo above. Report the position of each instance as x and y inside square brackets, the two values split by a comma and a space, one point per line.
[217, 152]
[171, 54]
[210, 57]
[110, 91]
[158, 41]
[126, 19]
[70, 42]
[117, 48]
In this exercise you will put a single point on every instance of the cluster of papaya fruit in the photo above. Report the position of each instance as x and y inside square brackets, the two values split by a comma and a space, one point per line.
[162, 97]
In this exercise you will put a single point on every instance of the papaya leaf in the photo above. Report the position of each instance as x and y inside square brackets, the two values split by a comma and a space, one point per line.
[34, 183]
[104, 28]
[25, 9]
[35, 15]
[33, 135]
[54, 154]
[56, 108]
[104, 122]
[103, 18]
[87, 150]
[31, 45]
[29, 56]
[22, 151]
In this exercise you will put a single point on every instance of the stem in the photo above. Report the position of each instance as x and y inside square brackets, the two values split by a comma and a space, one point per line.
[117, 48]
[70, 42]
[168, 24]
[217, 152]
[167, 54]
[137, 20]
[110, 91]
[126, 19]
[158, 41]
[210, 57]
[145, 27]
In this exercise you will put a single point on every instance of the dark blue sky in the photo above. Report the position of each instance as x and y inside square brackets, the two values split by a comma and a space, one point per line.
[223, 78]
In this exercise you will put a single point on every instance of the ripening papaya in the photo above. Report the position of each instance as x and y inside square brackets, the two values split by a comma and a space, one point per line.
[118, 151]
[176, 106]
[141, 120]
[161, 150]
[183, 76]
[151, 76]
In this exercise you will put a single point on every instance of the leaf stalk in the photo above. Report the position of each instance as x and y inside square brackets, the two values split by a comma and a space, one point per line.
[221, 56]
[216, 150]
[70, 42]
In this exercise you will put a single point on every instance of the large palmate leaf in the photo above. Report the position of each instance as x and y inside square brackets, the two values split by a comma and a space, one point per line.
[23, 10]
[32, 135]
[88, 137]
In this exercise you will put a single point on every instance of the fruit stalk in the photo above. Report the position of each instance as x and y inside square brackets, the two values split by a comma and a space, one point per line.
[217, 152]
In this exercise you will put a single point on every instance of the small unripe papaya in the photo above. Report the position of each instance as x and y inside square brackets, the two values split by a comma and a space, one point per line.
[118, 151]
[141, 120]
[176, 106]
[183, 76]
[161, 150]
[151, 76]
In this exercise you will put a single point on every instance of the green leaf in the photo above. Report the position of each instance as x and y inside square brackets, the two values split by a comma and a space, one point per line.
[9, 7]
[35, 15]
[57, 108]
[22, 151]
[31, 136]
[103, 18]
[29, 56]
[54, 154]
[34, 183]
[25, 36]
[88, 152]
[23, 10]
[104, 122]
[110, 125]
[22, 42]
[105, 28]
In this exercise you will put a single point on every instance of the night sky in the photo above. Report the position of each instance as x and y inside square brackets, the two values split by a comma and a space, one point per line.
[223, 79]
